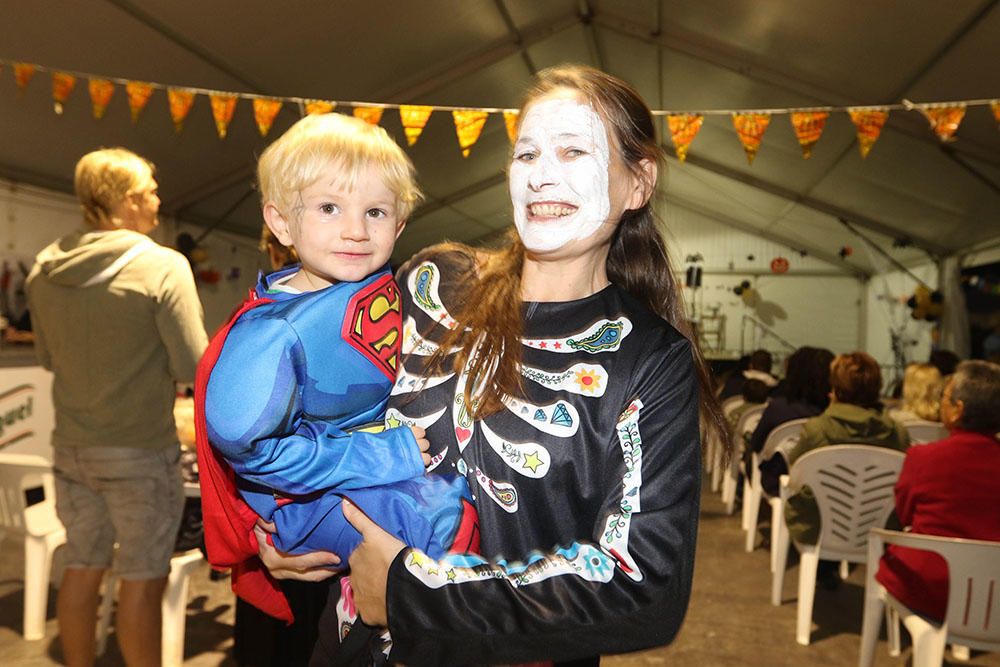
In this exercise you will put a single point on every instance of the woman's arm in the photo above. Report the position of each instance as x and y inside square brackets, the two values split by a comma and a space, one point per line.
[623, 587]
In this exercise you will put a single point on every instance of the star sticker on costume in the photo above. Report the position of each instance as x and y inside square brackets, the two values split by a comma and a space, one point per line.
[451, 574]
[391, 421]
[588, 380]
[532, 461]
[418, 558]
[432, 570]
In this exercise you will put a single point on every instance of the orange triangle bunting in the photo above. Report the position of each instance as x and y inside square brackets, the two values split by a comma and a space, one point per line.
[101, 92]
[510, 122]
[223, 107]
[414, 118]
[319, 106]
[750, 128]
[180, 101]
[468, 126]
[808, 126]
[62, 86]
[138, 93]
[23, 73]
[369, 114]
[945, 120]
[996, 112]
[683, 129]
[869, 123]
[264, 111]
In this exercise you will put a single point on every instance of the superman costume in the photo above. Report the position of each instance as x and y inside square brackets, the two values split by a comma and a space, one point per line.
[281, 396]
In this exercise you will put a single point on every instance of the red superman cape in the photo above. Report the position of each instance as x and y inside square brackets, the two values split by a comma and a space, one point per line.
[229, 521]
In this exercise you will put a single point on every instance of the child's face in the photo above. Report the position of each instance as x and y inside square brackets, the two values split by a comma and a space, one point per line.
[342, 234]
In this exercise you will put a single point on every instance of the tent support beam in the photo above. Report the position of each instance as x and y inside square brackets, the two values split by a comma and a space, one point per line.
[727, 221]
[467, 191]
[810, 202]
[185, 43]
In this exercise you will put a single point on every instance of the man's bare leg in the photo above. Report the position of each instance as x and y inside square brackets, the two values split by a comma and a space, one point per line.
[139, 620]
[76, 610]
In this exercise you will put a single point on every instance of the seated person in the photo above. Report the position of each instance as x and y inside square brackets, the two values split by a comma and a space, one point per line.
[758, 368]
[854, 416]
[807, 389]
[288, 386]
[921, 394]
[945, 361]
[948, 488]
[754, 394]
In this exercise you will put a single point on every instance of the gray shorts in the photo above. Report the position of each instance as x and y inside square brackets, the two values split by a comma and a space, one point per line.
[132, 497]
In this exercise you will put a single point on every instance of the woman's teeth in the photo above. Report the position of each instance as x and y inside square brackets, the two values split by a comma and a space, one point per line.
[550, 210]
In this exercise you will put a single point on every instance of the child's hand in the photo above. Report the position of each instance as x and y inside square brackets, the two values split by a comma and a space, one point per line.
[423, 443]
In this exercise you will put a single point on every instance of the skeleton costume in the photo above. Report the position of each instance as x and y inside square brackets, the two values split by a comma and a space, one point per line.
[587, 489]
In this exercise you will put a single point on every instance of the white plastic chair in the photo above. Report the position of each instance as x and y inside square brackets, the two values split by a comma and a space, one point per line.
[921, 431]
[717, 448]
[38, 523]
[747, 423]
[853, 487]
[779, 441]
[173, 610]
[972, 618]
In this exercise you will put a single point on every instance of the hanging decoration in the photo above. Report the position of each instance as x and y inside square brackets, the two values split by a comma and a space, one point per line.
[63, 84]
[369, 114]
[180, 101]
[264, 111]
[138, 93]
[808, 123]
[808, 126]
[750, 128]
[468, 126]
[414, 118]
[101, 92]
[926, 304]
[222, 111]
[510, 122]
[319, 106]
[945, 120]
[869, 123]
[779, 265]
[23, 73]
[683, 129]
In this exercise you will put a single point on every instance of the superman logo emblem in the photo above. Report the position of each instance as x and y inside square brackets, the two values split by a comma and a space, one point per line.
[373, 322]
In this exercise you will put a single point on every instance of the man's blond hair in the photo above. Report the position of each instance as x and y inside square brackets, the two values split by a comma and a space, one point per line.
[297, 158]
[104, 178]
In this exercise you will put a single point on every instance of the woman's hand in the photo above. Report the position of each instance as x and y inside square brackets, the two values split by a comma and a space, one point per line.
[370, 565]
[423, 443]
[315, 566]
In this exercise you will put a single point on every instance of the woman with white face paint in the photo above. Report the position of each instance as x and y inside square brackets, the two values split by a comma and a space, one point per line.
[560, 377]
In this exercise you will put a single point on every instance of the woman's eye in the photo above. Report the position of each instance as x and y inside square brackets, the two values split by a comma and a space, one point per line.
[525, 156]
[328, 209]
[575, 152]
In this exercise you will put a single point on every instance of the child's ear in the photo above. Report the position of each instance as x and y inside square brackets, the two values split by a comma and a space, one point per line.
[278, 224]
[400, 226]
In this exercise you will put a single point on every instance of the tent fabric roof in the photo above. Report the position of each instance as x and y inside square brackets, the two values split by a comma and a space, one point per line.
[681, 55]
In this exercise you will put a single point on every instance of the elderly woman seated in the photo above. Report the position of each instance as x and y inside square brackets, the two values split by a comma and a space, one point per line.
[948, 488]
[854, 416]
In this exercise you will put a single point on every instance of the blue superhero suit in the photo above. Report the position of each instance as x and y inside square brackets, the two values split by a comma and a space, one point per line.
[297, 376]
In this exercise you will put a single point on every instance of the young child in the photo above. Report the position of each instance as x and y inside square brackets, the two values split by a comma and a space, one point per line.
[310, 360]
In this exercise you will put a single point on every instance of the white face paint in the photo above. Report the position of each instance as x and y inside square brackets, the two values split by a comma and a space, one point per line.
[559, 176]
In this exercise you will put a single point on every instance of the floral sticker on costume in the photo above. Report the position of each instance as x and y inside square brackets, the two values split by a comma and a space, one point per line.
[614, 538]
[582, 379]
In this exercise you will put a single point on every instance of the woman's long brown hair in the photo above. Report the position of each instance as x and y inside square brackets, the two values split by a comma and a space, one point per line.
[491, 317]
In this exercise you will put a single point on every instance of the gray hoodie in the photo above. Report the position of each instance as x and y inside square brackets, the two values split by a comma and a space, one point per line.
[117, 319]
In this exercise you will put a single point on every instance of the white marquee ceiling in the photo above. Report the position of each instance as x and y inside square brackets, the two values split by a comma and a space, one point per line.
[681, 54]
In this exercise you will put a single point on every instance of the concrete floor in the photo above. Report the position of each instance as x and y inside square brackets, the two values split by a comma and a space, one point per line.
[730, 620]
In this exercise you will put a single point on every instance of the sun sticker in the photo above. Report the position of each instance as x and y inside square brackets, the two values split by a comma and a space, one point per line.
[588, 380]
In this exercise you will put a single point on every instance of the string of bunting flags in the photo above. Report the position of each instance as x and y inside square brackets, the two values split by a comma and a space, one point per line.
[683, 127]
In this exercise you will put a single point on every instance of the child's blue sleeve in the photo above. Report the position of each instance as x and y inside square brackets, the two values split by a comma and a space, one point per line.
[255, 418]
